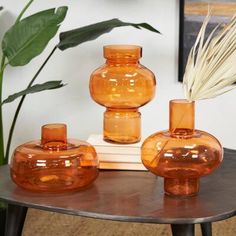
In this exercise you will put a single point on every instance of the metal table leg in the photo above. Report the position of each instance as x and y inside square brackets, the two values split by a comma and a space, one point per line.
[206, 229]
[3, 213]
[182, 230]
[15, 220]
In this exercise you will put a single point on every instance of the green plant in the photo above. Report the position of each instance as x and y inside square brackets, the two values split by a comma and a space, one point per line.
[28, 37]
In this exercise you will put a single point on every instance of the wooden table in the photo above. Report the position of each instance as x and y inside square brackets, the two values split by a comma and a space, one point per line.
[132, 196]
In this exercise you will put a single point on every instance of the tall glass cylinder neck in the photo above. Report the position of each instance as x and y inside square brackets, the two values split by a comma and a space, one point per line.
[54, 136]
[122, 53]
[182, 117]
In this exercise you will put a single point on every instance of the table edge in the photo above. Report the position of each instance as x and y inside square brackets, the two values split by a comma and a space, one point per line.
[135, 219]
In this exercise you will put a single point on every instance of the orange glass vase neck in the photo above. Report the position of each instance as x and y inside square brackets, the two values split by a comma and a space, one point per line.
[122, 85]
[54, 136]
[181, 117]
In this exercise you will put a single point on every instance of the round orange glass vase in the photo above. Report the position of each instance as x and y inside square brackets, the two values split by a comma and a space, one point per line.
[54, 163]
[122, 85]
[181, 154]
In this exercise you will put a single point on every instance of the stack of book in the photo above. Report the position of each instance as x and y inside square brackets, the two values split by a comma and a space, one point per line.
[117, 156]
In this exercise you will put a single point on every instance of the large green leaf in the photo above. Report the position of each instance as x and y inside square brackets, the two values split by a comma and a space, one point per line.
[77, 36]
[35, 89]
[28, 38]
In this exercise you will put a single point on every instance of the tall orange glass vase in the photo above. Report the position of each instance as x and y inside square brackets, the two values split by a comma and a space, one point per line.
[122, 85]
[181, 154]
[54, 163]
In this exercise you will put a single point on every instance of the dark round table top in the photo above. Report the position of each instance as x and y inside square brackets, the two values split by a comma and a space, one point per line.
[136, 197]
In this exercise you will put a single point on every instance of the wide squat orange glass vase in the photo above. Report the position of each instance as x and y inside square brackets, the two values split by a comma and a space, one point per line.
[54, 163]
[122, 85]
[181, 154]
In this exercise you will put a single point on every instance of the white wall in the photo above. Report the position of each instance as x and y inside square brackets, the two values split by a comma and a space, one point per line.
[73, 105]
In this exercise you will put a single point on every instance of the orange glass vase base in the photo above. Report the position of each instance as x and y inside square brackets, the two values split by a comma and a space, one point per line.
[181, 187]
[54, 163]
[122, 126]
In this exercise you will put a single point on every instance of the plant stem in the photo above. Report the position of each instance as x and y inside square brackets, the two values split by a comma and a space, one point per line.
[20, 105]
[23, 11]
[1, 120]
[2, 68]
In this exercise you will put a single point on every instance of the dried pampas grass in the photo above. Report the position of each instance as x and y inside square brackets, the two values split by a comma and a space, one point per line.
[211, 65]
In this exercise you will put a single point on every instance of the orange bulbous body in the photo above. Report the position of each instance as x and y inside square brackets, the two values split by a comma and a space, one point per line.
[181, 154]
[54, 164]
[122, 85]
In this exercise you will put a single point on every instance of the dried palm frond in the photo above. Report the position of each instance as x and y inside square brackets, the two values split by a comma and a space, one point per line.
[211, 65]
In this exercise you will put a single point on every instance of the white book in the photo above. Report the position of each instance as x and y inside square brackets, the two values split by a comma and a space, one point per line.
[116, 150]
[102, 146]
[121, 166]
[105, 157]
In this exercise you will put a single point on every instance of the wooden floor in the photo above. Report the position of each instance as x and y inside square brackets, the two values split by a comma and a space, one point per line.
[219, 9]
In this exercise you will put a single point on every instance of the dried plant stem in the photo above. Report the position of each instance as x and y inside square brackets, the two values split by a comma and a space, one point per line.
[210, 69]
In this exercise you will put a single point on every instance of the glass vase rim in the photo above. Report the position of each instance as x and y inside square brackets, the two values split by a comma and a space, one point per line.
[122, 47]
[122, 51]
[54, 125]
[182, 101]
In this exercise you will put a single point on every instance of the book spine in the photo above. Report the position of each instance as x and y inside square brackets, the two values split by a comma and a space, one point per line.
[120, 150]
[121, 166]
[119, 158]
